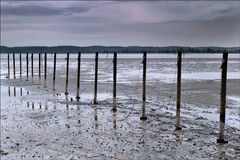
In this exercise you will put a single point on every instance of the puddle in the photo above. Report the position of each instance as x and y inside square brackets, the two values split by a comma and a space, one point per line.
[13, 92]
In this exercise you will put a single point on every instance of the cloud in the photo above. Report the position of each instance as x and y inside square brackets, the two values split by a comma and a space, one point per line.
[121, 23]
[39, 10]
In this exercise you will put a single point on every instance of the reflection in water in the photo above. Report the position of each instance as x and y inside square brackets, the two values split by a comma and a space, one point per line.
[46, 105]
[96, 122]
[143, 137]
[114, 121]
[67, 124]
[178, 138]
[78, 114]
[95, 117]
[54, 104]
[32, 105]
[221, 151]
[21, 92]
[45, 84]
[9, 92]
[14, 91]
[67, 103]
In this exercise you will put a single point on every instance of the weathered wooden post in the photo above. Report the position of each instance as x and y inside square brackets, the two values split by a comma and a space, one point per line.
[223, 99]
[54, 71]
[32, 65]
[20, 59]
[27, 64]
[45, 70]
[67, 68]
[179, 65]
[78, 76]
[114, 81]
[143, 116]
[8, 66]
[39, 66]
[96, 79]
[14, 67]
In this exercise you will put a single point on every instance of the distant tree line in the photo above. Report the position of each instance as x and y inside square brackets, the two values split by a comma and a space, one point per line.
[118, 49]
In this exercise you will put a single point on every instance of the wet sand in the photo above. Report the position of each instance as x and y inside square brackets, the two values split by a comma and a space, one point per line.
[39, 123]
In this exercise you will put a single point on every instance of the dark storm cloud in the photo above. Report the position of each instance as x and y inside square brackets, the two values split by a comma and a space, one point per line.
[37, 10]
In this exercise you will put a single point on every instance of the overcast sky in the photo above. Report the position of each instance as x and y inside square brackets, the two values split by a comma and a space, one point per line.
[154, 23]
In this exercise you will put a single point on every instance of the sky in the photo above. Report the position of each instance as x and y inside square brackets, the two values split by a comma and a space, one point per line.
[120, 23]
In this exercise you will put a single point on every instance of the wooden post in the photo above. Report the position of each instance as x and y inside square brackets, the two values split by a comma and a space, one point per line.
[32, 65]
[20, 59]
[54, 71]
[45, 70]
[8, 66]
[114, 81]
[96, 79]
[223, 99]
[179, 65]
[78, 75]
[143, 116]
[39, 65]
[27, 64]
[14, 66]
[67, 68]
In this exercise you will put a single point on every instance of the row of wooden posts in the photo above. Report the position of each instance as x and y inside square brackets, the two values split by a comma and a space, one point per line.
[143, 114]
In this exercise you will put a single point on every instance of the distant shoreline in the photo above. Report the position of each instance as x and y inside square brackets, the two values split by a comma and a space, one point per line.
[118, 49]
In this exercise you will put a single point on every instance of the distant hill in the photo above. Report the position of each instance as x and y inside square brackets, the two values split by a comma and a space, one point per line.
[118, 49]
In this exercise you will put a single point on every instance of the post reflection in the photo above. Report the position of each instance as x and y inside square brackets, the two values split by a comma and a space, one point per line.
[67, 101]
[14, 91]
[46, 105]
[67, 108]
[54, 105]
[222, 152]
[178, 138]
[78, 114]
[32, 105]
[9, 91]
[95, 117]
[21, 92]
[114, 121]
[143, 137]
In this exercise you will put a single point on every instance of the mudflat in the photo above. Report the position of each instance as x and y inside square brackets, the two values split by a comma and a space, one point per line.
[39, 123]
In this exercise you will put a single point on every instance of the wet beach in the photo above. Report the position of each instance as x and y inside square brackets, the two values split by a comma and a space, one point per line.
[38, 122]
